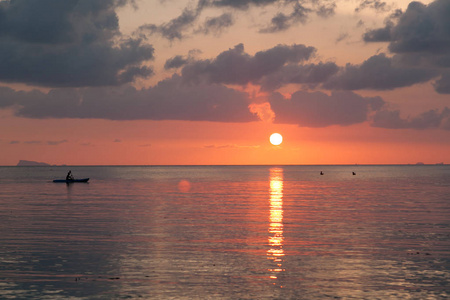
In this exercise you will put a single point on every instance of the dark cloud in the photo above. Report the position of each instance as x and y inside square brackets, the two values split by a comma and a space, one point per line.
[234, 66]
[442, 85]
[326, 10]
[380, 34]
[50, 143]
[180, 60]
[282, 65]
[173, 99]
[8, 97]
[241, 4]
[68, 43]
[423, 28]
[52, 21]
[74, 65]
[175, 28]
[216, 25]
[170, 99]
[178, 28]
[342, 37]
[383, 34]
[282, 21]
[429, 119]
[175, 62]
[377, 5]
[309, 74]
[379, 73]
[420, 34]
[56, 143]
[299, 14]
[320, 110]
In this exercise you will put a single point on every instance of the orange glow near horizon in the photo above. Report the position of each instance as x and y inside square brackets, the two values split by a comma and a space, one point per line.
[205, 143]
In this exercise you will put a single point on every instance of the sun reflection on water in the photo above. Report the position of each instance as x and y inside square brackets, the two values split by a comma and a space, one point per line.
[276, 252]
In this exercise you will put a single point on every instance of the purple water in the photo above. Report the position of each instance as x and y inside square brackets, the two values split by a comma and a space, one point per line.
[226, 232]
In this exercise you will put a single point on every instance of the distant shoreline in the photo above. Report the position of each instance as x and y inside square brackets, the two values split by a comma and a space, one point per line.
[31, 163]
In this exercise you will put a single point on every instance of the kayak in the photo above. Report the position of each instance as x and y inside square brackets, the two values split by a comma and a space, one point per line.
[71, 180]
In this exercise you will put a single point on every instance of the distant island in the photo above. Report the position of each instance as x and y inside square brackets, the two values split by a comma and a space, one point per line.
[438, 164]
[30, 163]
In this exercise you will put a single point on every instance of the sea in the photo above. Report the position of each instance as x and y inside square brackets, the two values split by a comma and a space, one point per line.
[226, 232]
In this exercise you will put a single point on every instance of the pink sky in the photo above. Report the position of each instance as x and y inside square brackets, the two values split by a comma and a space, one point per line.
[207, 82]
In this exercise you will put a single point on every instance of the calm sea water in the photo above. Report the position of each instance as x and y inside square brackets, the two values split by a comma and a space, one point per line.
[226, 232]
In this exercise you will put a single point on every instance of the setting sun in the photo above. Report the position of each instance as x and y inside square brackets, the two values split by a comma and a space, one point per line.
[276, 139]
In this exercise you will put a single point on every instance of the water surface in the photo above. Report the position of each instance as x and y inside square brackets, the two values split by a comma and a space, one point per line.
[226, 232]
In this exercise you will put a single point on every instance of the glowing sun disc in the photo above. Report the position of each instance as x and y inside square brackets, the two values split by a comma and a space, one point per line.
[276, 139]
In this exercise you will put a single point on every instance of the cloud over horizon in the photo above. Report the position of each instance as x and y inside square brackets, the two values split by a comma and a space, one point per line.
[170, 99]
[432, 119]
[320, 110]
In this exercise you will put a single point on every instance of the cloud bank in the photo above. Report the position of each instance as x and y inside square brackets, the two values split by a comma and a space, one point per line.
[320, 110]
[432, 119]
[173, 99]
[170, 99]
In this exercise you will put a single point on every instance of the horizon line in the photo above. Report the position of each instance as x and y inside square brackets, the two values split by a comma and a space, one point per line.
[231, 165]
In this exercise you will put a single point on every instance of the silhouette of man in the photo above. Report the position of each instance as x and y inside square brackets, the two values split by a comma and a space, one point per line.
[69, 175]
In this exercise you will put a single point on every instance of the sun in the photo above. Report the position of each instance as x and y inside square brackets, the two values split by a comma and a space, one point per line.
[276, 139]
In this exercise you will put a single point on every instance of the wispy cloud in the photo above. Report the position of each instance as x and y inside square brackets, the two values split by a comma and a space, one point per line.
[32, 142]
[231, 146]
[377, 5]
[282, 21]
[216, 25]
[174, 29]
[56, 143]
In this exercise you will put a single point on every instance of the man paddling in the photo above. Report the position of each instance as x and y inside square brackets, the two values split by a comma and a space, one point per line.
[69, 176]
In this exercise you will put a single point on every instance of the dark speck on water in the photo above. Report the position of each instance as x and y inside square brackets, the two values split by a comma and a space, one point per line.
[226, 232]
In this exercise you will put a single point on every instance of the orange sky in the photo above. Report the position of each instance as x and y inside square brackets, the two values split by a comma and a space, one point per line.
[75, 115]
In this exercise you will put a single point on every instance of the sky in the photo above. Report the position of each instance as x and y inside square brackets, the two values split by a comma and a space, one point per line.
[200, 82]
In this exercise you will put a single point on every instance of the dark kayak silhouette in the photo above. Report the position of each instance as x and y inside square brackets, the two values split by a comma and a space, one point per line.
[71, 180]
